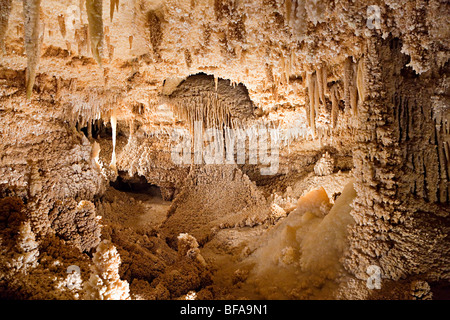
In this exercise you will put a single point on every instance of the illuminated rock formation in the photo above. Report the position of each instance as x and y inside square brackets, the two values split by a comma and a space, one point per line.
[105, 108]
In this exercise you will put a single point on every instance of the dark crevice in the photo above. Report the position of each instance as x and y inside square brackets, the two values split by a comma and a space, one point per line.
[135, 184]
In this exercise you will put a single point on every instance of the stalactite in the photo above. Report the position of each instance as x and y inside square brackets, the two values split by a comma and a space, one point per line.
[288, 4]
[325, 81]
[89, 129]
[113, 6]
[94, 12]
[360, 80]
[62, 24]
[210, 111]
[275, 92]
[95, 153]
[110, 52]
[286, 69]
[316, 95]
[443, 159]
[320, 82]
[447, 153]
[156, 34]
[131, 128]
[107, 41]
[298, 17]
[307, 107]
[5, 10]
[58, 87]
[354, 90]
[80, 6]
[188, 58]
[114, 133]
[239, 55]
[310, 80]
[211, 102]
[350, 85]
[31, 9]
[334, 105]
[347, 81]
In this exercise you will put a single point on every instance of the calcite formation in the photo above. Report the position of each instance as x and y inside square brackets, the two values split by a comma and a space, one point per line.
[347, 102]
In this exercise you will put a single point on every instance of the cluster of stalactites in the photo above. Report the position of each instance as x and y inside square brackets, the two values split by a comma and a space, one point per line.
[34, 35]
[317, 90]
[442, 134]
[352, 92]
[208, 109]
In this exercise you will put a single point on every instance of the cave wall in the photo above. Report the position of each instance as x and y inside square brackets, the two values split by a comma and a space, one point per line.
[380, 92]
[401, 210]
[49, 164]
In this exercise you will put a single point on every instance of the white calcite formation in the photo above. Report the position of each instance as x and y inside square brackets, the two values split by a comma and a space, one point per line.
[95, 96]
[325, 165]
[104, 282]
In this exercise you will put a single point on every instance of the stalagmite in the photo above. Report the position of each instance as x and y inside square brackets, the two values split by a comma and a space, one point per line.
[31, 10]
[224, 159]
[5, 10]
[104, 282]
[94, 12]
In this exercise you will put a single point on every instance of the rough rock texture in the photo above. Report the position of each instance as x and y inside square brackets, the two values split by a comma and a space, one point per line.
[91, 92]
[47, 162]
[31, 269]
[401, 211]
[203, 205]
[150, 157]
[76, 223]
[104, 282]
[211, 101]
[324, 166]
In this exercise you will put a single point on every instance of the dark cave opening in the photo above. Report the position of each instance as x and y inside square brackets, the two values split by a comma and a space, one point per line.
[135, 184]
[94, 129]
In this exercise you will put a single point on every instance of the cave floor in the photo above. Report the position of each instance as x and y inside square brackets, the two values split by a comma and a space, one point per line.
[228, 249]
